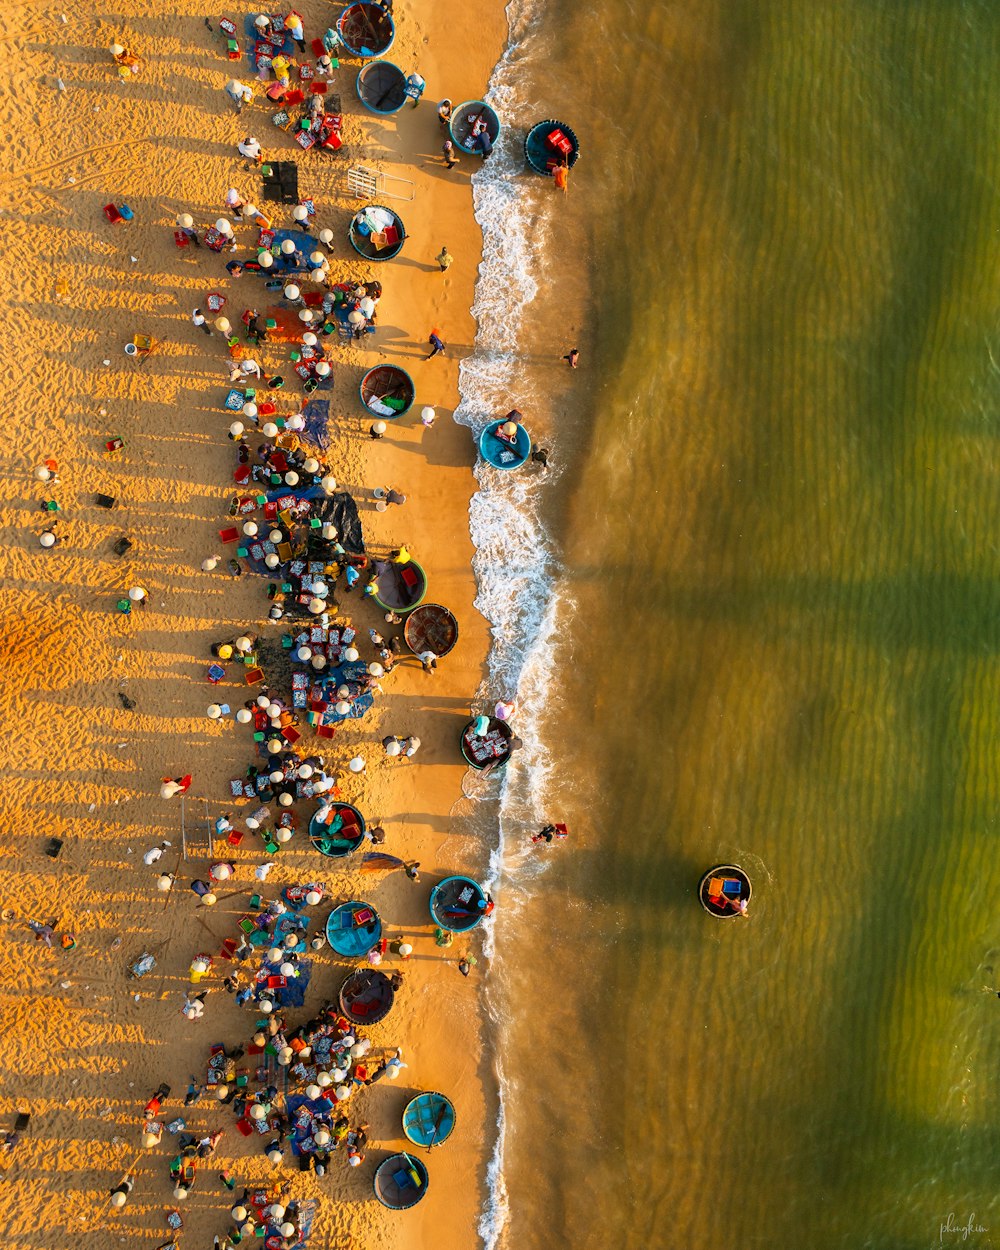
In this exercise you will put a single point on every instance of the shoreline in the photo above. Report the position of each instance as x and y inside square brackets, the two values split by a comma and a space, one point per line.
[170, 484]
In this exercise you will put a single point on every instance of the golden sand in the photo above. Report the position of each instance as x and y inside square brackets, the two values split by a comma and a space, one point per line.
[83, 1046]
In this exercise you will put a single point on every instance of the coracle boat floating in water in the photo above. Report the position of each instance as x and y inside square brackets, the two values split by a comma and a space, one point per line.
[366, 30]
[431, 627]
[724, 891]
[381, 87]
[458, 904]
[400, 1181]
[387, 391]
[503, 448]
[549, 144]
[377, 233]
[469, 123]
[486, 742]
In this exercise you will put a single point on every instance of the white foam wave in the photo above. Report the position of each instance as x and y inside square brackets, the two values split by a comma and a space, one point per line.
[514, 563]
[493, 1218]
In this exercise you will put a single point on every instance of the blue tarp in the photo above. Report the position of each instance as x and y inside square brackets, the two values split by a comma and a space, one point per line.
[250, 33]
[320, 1108]
[346, 675]
[308, 492]
[317, 414]
[304, 242]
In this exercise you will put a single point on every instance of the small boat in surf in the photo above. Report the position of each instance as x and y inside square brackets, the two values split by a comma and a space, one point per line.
[474, 128]
[458, 904]
[550, 144]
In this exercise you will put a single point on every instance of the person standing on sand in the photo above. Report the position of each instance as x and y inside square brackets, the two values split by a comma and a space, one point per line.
[415, 84]
[444, 112]
[436, 342]
[428, 661]
[198, 319]
[250, 149]
[293, 24]
[444, 258]
[572, 357]
[449, 154]
[239, 93]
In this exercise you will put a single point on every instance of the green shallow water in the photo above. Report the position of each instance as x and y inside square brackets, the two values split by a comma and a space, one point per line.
[781, 547]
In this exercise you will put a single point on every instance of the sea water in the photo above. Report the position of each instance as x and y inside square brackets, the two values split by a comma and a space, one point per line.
[751, 614]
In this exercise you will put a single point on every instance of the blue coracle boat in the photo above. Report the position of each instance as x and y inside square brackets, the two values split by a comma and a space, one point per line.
[544, 154]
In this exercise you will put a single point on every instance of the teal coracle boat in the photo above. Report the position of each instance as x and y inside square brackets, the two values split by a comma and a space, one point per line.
[458, 904]
[501, 452]
[551, 143]
[472, 123]
[381, 87]
[341, 835]
[428, 1119]
[353, 929]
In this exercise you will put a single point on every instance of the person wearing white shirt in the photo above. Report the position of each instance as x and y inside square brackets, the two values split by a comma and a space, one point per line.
[251, 149]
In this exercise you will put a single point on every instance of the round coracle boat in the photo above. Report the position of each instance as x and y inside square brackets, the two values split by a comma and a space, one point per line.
[353, 929]
[387, 391]
[724, 891]
[431, 627]
[486, 742]
[336, 829]
[399, 587]
[381, 87]
[377, 233]
[458, 904]
[550, 144]
[400, 1181]
[428, 1119]
[468, 125]
[502, 449]
[366, 30]
[366, 996]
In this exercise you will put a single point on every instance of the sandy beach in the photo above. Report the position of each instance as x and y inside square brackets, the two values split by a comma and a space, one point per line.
[85, 1045]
